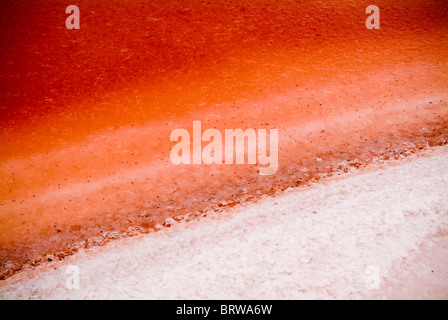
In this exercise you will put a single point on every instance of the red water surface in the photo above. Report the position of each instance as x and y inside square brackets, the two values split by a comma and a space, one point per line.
[86, 115]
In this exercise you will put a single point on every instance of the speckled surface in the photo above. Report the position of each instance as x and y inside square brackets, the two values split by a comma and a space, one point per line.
[377, 233]
[86, 114]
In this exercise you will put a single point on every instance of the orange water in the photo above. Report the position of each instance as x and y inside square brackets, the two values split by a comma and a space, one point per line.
[86, 114]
